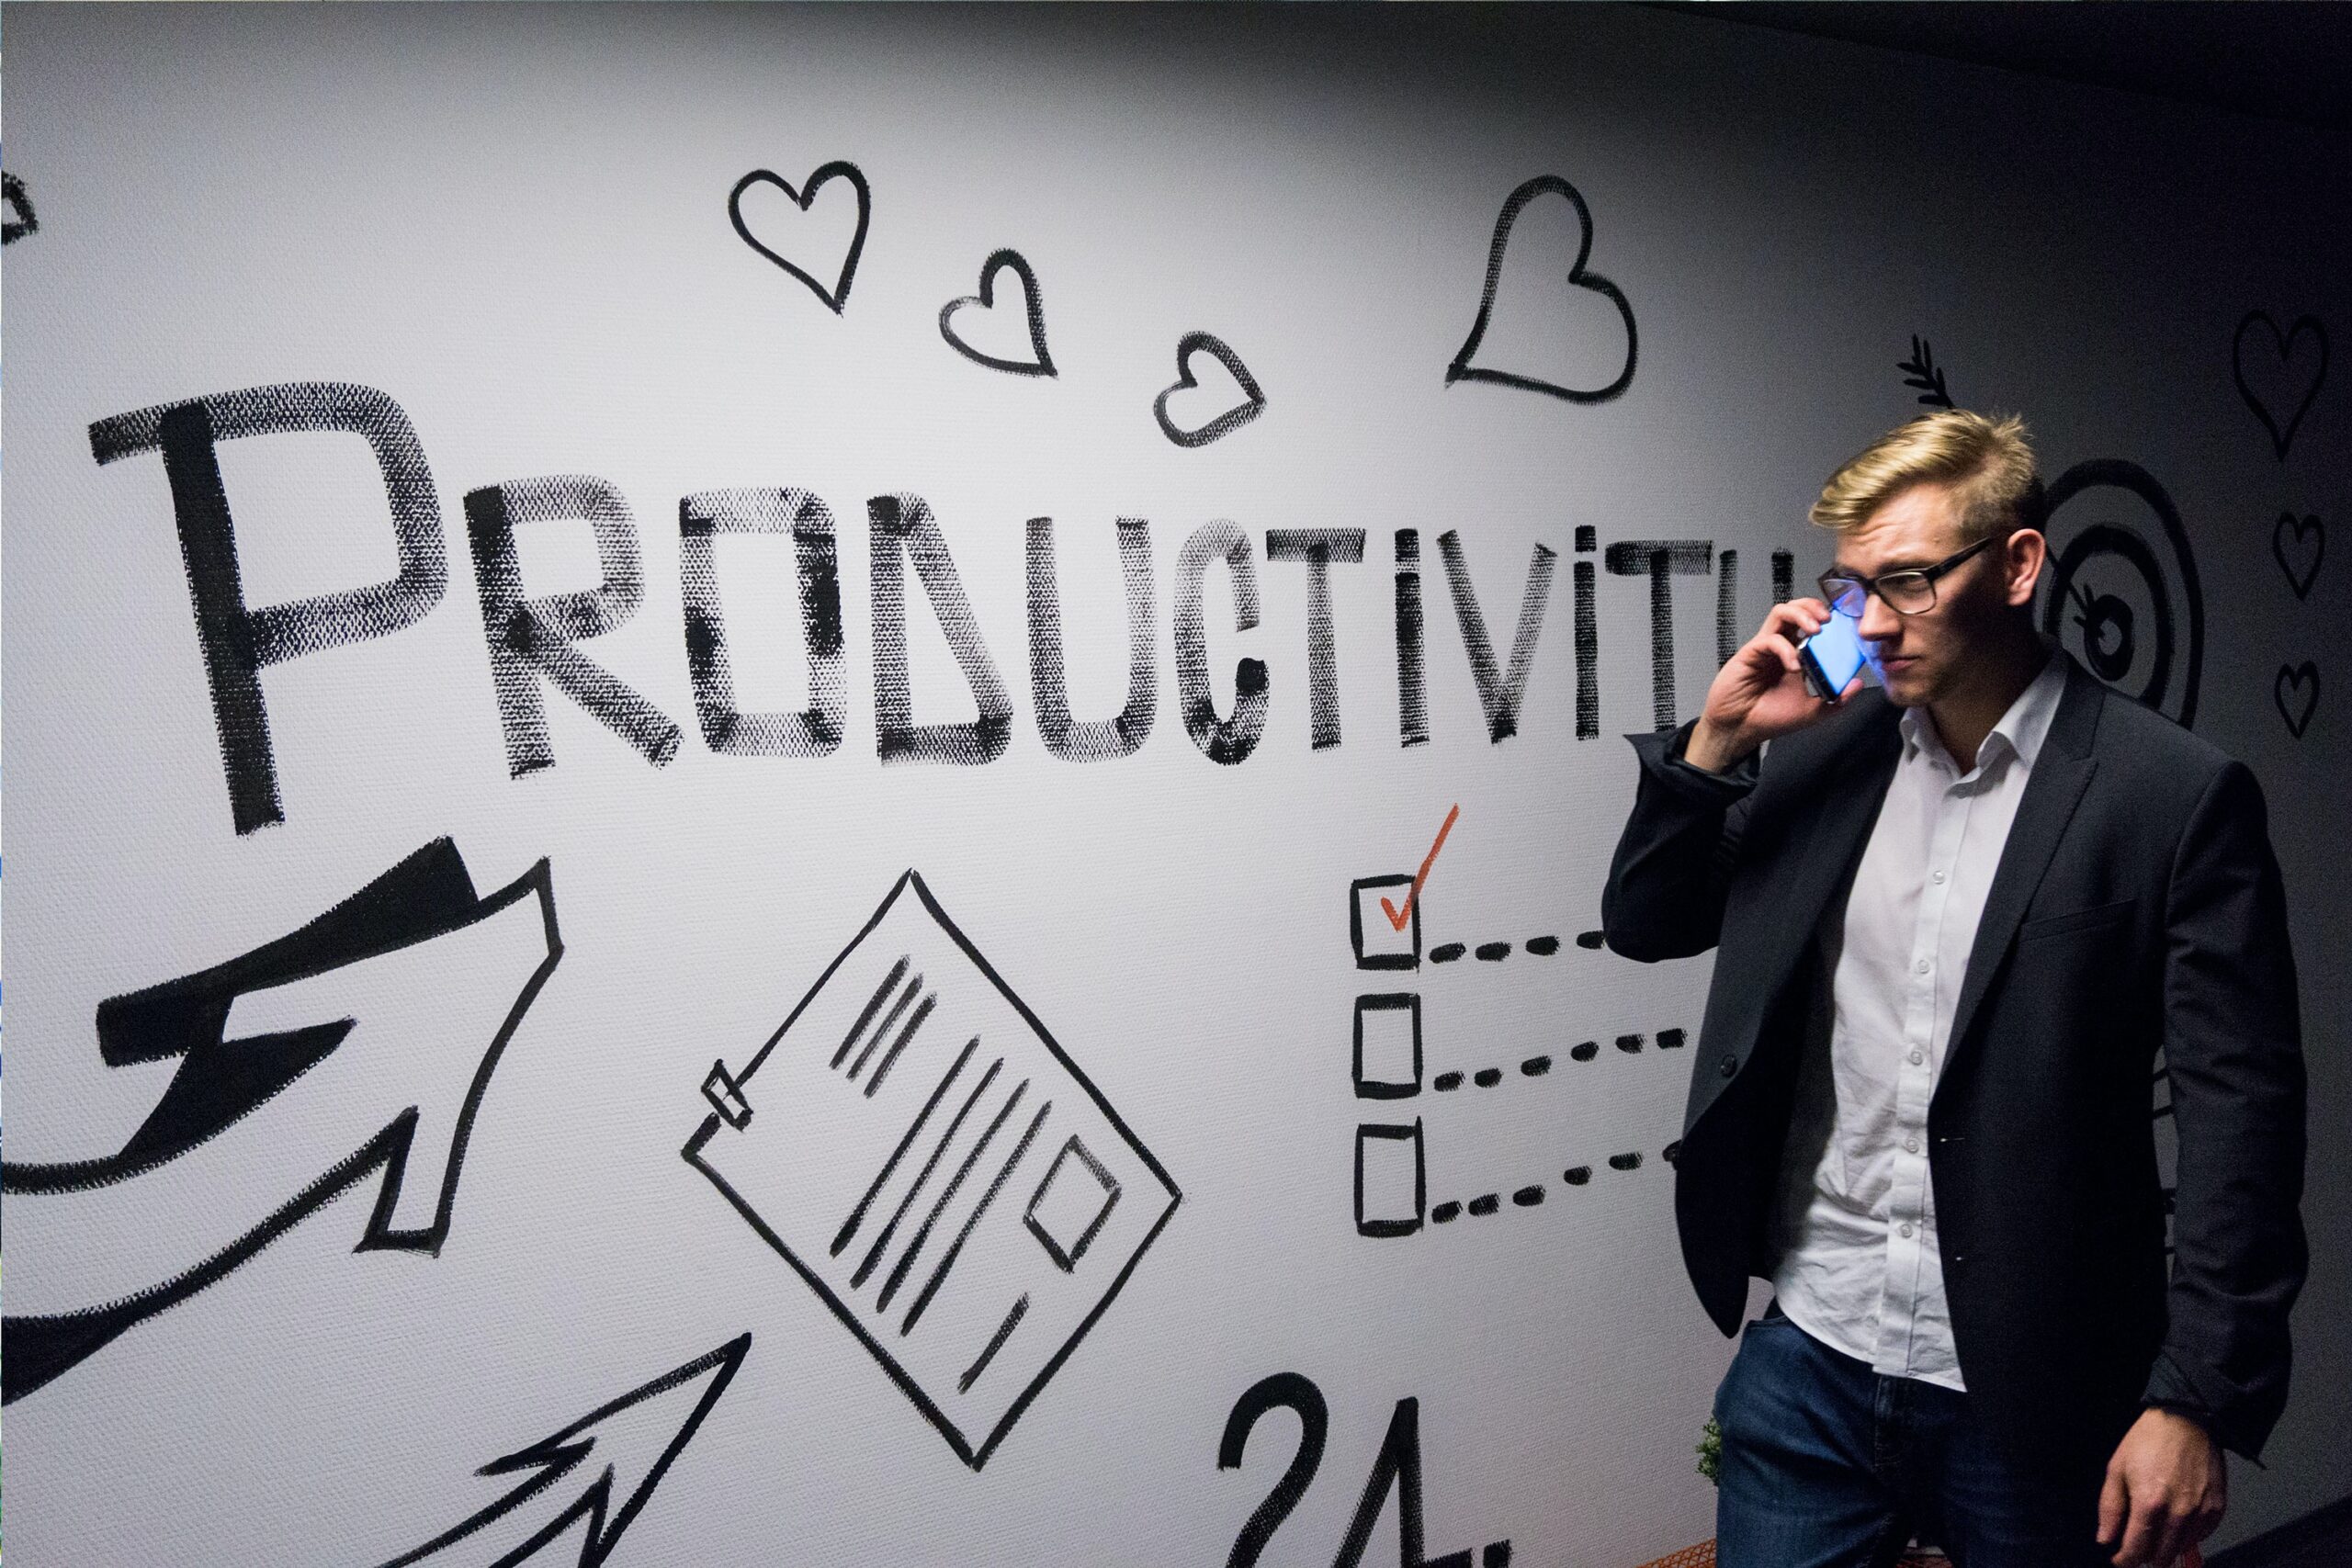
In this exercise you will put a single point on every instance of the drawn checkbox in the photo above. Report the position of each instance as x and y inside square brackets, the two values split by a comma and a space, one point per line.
[1378, 943]
[1392, 1185]
[1389, 1045]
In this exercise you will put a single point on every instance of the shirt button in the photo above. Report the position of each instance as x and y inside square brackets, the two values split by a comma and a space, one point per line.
[1938, 876]
[1921, 966]
[1917, 1057]
[1910, 1146]
[1906, 1230]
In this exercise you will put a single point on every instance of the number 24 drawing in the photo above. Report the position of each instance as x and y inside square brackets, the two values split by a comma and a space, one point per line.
[1398, 1466]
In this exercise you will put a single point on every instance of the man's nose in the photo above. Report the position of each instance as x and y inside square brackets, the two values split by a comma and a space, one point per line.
[1878, 622]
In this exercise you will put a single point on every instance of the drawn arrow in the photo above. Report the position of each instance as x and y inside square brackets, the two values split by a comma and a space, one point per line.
[626, 1446]
[372, 1013]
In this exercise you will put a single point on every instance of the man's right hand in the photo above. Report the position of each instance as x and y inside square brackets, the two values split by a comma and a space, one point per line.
[1761, 693]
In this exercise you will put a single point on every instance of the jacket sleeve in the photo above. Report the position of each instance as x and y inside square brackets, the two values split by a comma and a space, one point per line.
[2232, 1043]
[1665, 897]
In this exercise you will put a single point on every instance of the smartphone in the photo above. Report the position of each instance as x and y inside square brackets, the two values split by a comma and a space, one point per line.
[1833, 655]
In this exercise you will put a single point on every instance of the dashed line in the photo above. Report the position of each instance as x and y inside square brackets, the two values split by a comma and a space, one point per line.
[1590, 941]
[1496, 952]
[1536, 1067]
[1532, 1195]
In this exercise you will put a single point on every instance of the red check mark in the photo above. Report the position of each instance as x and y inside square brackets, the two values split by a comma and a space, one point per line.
[1398, 917]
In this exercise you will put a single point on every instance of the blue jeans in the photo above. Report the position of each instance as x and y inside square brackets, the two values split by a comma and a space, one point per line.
[1827, 1464]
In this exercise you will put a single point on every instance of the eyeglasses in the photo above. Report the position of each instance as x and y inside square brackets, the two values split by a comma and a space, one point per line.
[1906, 593]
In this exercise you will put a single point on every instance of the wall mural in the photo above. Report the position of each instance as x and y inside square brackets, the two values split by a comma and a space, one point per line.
[836, 296]
[1466, 366]
[1396, 1469]
[245, 1082]
[2280, 375]
[1039, 362]
[622, 1449]
[1924, 375]
[1234, 415]
[1057, 1235]
[1139, 698]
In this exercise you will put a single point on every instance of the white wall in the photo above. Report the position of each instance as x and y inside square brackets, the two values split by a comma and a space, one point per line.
[513, 224]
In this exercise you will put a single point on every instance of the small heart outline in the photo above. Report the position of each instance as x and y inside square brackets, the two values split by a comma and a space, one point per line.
[1031, 299]
[2309, 524]
[1225, 423]
[2284, 342]
[837, 297]
[2295, 677]
[1580, 277]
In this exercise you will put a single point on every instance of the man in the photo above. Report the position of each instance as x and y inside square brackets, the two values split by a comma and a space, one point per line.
[1958, 919]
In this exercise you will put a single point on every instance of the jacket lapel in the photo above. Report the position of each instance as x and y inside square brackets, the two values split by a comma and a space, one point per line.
[2061, 773]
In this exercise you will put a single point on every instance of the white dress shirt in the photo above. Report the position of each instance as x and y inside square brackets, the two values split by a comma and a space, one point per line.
[1857, 1267]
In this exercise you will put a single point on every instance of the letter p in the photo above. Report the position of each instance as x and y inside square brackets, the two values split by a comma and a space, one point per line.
[238, 642]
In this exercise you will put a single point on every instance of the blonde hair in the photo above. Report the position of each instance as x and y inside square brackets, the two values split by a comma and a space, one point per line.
[1987, 462]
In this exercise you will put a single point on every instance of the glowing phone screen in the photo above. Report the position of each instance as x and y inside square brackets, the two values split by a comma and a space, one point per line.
[1833, 655]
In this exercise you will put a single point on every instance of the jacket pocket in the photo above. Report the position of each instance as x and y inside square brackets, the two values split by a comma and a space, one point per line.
[2092, 918]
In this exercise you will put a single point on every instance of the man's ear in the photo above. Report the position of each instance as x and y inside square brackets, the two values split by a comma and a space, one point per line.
[2022, 558]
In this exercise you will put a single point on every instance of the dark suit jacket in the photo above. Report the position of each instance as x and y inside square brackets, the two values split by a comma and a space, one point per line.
[2137, 906]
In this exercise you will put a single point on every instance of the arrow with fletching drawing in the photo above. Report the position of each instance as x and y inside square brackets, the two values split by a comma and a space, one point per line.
[623, 1447]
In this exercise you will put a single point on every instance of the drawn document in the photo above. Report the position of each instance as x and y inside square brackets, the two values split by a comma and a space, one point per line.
[919, 1148]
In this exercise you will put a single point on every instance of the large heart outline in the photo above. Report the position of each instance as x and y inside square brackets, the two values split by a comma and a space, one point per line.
[20, 205]
[838, 295]
[1580, 277]
[2296, 678]
[2299, 527]
[2284, 342]
[1031, 300]
[1231, 419]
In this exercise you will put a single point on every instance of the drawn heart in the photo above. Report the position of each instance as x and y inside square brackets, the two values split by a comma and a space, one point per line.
[2282, 383]
[2309, 542]
[2302, 679]
[19, 220]
[838, 295]
[1001, 261]
[1579, 277]
[1233, 418]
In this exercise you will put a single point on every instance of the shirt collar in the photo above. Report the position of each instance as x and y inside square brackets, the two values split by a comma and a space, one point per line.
[2019, 731]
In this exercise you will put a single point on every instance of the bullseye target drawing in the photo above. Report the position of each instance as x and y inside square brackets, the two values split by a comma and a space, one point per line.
[2121, 592]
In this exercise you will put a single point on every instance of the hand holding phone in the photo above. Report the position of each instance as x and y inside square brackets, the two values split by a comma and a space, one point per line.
[1768, 688]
